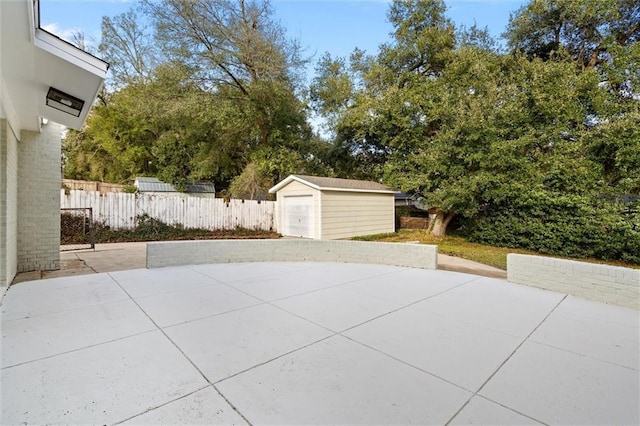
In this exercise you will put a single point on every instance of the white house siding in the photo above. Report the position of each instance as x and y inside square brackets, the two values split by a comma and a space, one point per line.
[8, 205]
[39, 180]
[349, 214]
[296, 189]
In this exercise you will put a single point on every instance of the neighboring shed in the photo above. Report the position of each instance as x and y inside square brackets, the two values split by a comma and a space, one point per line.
[402, 199]
[151, 184]
[331, 208]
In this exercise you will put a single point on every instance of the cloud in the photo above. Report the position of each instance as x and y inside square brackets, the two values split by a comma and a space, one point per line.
[65, 34]
[52, 28]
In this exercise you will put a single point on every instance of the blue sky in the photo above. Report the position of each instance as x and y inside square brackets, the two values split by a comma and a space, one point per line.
[335, 26]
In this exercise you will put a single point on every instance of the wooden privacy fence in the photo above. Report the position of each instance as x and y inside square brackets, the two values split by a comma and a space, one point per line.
[87, 185]
[119, 210]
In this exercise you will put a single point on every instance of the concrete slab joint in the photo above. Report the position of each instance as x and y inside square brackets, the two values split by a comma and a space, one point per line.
[328, 343]
[602, 283]
[177, 253]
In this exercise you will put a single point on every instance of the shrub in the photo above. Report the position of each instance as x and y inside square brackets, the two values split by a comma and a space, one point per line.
[151, 229]
[74, 229]
[560, 224]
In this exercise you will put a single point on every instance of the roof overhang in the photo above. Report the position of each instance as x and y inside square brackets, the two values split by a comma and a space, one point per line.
[33, 61]
[292, 178]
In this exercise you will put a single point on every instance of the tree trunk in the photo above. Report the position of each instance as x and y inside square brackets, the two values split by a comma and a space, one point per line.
[439, 224]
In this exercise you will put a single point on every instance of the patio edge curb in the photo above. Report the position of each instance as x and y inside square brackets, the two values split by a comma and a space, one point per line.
[178, 253]
[601, 283]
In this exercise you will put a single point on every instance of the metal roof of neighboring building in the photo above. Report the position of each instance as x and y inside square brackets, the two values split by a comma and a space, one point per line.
[151, 184]
[335, 184]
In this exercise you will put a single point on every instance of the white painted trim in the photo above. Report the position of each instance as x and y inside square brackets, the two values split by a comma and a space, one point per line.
[320, 214]
[34, 18]
[8, 110]
[375, 191]
[292, 178]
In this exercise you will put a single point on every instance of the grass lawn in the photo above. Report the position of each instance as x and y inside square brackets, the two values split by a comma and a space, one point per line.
[460, 247]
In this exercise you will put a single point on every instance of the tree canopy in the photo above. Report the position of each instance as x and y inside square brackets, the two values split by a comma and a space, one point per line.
[534, 143]
[475, 131]
[584, 30]
[209, 88]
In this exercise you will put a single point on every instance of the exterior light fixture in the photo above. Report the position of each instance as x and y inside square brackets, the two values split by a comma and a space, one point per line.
[64, 102]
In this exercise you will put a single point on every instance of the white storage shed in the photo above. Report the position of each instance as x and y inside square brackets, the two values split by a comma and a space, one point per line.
[330, 208]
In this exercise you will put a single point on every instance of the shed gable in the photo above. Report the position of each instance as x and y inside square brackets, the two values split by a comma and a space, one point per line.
[333, 184]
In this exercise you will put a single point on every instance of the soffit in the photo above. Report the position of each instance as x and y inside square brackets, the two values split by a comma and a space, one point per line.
[34, 60]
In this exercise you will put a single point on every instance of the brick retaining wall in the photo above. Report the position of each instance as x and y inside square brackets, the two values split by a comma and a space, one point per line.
[601, 283]
[175, 253]
[406, 222]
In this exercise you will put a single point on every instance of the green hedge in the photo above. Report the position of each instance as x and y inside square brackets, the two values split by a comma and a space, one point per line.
[150, 229]
[559, 224]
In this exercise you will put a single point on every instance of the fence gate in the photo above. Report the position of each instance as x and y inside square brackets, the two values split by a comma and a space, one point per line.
[76, 229]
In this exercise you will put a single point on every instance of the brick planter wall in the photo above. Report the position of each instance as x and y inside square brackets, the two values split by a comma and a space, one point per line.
[407, 222]
[175, 253]
[601, 283]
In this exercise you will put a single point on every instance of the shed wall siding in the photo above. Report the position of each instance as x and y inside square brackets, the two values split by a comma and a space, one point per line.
[350, 214]
[298, 189]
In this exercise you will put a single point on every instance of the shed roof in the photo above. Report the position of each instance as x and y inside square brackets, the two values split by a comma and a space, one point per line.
[334, 184]
[151, 184]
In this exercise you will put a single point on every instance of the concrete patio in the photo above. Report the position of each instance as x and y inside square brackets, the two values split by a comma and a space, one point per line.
[312, 343]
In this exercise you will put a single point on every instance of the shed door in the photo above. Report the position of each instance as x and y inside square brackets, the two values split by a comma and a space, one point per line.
[298, 216]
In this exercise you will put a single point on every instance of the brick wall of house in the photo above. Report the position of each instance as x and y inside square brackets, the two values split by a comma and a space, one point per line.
[39, 179]
[4, 273]
[8, 205]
